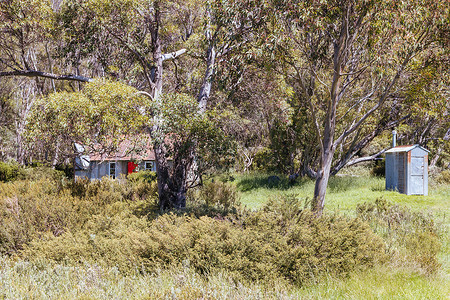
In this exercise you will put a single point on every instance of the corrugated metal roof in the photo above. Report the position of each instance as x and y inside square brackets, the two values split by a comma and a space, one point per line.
[127, 152]
[406, 148]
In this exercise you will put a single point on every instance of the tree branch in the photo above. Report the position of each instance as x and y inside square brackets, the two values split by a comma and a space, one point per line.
[366, 158]
[33, 73]
[144, 63]
[382, 99]
[173, 55]
[145, 94]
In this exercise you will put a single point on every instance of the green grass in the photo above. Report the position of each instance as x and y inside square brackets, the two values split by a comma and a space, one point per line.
[343, 193]
[23, 280]
[381, 283]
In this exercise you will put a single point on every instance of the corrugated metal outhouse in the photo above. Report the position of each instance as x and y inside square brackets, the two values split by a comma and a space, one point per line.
[407, 170]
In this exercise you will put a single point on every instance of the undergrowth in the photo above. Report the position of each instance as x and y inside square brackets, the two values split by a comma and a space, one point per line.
[412, 238]
[116, 224]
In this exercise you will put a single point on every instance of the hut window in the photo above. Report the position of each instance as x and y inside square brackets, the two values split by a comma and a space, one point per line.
[112, 170]
[149, 165]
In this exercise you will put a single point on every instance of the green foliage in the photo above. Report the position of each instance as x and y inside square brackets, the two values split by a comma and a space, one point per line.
[444, 177]
[144, 175]
[183, 129]
[9, 171]
[113, 223]
[46, 203]
[290, 244]
[288, 137]
[263, 160]
[220, 193]
[40, 172]
[411, 237]
[101, 115]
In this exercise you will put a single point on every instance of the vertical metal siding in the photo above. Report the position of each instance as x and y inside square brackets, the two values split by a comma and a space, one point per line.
[401, 168]
[407, 172]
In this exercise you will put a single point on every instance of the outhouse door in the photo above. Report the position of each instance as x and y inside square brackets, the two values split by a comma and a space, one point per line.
[417, 175]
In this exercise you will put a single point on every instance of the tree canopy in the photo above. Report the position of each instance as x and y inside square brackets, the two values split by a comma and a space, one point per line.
[305, 87]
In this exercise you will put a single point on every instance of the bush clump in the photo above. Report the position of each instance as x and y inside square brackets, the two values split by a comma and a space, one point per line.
[144, 175]
[444, 177]
[51, 204]
[275, 243]
[411, 237]
[379, 168]
[221, 194]
[115, 223]
[9, 171]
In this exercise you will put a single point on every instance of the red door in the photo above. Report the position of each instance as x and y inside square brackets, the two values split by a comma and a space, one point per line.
[131, 167]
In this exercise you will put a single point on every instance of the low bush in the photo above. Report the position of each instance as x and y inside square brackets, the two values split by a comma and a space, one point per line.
[220, 194]
[115, 223]
[444, 177]
[144, 175]
[30, 209]
[411, 237]
[276, 243]
[9, 171]
[42, 172]
[378, 168]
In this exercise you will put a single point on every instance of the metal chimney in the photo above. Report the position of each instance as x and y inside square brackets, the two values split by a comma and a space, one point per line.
[394, 138]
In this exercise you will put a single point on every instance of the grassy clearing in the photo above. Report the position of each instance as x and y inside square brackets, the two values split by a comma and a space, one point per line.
[23, 280]
[381, 283]
[343, 193]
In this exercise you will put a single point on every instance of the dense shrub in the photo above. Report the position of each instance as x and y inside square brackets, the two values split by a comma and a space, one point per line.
[144, 175]
[278, 242]
[220, 193]
[9, 171]
[30, 209]
[379, 168]
[411, 237]
[115, 223]
[444, 177]
[263, 160]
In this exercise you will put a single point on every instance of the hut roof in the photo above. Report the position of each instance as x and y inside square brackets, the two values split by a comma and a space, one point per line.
[126, 151]
[406, 148]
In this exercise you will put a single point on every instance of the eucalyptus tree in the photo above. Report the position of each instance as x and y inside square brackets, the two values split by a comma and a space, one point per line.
[347, 60]
[98, 116]
[131, 40]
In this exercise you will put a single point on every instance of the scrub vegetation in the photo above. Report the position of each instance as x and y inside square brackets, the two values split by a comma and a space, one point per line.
[261, 116]
[108, 238]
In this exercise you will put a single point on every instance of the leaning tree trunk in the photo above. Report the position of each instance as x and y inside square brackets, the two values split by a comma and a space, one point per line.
[320, 188]
[323, 174]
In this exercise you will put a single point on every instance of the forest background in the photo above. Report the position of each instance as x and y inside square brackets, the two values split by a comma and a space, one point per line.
[300, 88]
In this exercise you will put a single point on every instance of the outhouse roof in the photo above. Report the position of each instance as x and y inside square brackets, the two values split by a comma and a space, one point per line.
[406, 148]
